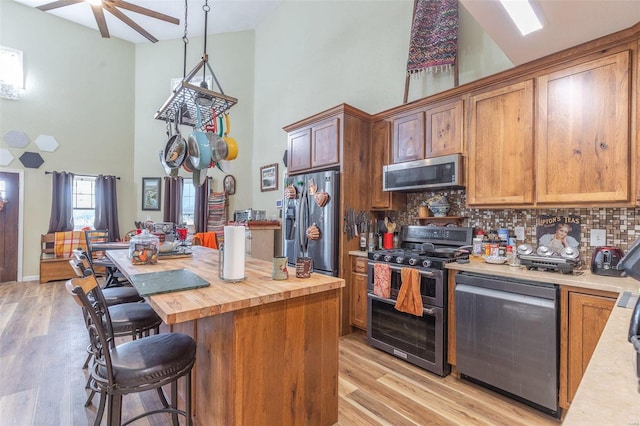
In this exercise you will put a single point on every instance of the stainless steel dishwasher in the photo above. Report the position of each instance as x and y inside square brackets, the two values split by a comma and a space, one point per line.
[507, 336]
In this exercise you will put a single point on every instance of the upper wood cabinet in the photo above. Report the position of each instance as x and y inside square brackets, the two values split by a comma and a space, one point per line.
[299, 150]
[408, 137]
[583, 133]
[380, 156]
[500, 162]
[314, 147]
[444, 129]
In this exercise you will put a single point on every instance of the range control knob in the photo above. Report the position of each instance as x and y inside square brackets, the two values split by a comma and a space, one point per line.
[426, 263]
[413, 261]
[377, 256]
[387, 258]
[399, 259]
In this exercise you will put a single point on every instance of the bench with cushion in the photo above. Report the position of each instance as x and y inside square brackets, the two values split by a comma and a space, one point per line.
[53, 267]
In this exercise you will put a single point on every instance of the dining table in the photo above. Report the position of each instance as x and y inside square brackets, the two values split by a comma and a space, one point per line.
[267, 350]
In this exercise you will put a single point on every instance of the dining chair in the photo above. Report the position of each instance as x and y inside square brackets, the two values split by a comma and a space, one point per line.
[139, 365]
[82, 266]
[98, 258]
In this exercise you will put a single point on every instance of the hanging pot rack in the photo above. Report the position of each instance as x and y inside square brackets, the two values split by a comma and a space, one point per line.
[181, 107]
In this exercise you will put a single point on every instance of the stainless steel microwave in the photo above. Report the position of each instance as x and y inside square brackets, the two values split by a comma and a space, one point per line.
[432, 173]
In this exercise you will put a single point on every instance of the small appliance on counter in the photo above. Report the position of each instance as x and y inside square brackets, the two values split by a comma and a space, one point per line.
[544, 259]
[249, 214]
[604, 261]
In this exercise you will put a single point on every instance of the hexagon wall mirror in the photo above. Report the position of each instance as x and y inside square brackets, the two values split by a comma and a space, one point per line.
[5, 157]
[16, 139]
[31, 160]
[47, 143]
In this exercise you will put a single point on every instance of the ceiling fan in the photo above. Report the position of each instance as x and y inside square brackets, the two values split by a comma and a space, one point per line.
[113, 6]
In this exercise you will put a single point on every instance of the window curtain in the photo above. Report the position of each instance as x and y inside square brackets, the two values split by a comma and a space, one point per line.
[61, 218]
[201, 207]
[172, 205]
[107, 206]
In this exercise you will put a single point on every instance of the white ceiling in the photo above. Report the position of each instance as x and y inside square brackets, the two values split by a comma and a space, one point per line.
[224, 16]
[566, 22]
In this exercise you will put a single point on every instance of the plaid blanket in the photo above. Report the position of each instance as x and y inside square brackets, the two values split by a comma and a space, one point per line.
[66, 242]
[434, 36]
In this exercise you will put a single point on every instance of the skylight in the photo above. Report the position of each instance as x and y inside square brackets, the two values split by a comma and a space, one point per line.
[522, 15]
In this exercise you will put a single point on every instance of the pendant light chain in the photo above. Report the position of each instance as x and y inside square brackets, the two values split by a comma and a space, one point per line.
[185, 40]
[205, 57]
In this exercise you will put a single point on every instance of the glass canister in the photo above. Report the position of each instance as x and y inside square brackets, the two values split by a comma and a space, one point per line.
[143, 248]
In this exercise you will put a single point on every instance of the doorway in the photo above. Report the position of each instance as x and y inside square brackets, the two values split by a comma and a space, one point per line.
[10, 241]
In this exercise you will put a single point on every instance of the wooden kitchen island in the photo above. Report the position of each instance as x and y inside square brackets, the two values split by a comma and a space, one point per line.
[267, 351]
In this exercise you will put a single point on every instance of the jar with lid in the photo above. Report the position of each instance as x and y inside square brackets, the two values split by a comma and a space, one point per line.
[477, 245]
[143, 248]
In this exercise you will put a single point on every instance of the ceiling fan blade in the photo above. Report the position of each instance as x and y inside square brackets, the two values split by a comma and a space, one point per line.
[57, 4]
[100, 20]
[124, 18]
[144, 11]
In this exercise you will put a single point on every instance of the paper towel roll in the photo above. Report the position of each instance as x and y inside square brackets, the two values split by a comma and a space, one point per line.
[233, 263]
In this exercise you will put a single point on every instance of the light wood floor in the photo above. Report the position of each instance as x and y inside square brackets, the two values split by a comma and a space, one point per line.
[42, 348]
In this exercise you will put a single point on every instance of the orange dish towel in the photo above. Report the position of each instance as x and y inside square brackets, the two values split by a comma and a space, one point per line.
[382, 280]
[207, 239]
[409, 299]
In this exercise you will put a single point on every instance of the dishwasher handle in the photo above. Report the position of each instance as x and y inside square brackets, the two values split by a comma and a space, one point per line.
[528, 288]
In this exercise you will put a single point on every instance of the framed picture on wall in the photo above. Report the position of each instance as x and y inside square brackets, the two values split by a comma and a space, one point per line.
[269, 177]
[151, 193]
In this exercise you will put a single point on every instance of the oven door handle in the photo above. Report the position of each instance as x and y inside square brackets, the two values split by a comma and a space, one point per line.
[427, 311]
[424, 273]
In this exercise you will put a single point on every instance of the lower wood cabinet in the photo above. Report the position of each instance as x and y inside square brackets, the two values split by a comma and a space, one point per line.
[358, 285]
[584, 314]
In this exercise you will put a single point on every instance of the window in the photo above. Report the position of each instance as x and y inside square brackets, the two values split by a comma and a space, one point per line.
[188, 201]
[84, 202]
[11, 74]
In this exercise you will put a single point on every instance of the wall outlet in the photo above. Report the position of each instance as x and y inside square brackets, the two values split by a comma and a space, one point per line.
[519, 230]
[598, 237]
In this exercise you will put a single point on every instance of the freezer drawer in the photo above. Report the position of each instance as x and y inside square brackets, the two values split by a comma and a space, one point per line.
[507, 336]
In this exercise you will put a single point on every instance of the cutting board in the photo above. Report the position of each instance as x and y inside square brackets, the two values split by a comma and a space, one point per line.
[166, 282]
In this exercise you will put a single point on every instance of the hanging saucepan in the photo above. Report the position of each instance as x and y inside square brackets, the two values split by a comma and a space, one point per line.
[232, 145]
[216, 143]
[176, 149]
[166, 168]
[448, 252]
[198, 145]
[199, 177]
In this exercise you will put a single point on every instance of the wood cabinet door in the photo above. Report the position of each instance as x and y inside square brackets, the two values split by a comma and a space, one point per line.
[408, 137]
[588, 315]
[444, 130]
[500, 163]
[325, 143]
[359, 293]
[583, 134]
[299, 145]
[380, 147]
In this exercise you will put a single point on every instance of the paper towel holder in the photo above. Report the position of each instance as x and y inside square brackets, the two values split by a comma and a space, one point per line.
[221, 267]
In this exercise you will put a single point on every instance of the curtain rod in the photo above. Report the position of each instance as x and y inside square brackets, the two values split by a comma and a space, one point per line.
[80, 174]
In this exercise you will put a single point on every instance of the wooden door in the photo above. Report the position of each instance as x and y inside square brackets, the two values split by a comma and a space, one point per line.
[9, 215]
[299, 145]
[325, 143]
[500, 163]
[583, 134]
[408, 137]
[588, 315]
[444, 129]
[380, 147]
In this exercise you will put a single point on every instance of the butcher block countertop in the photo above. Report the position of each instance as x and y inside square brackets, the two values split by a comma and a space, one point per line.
[257, 289]
[608, 393]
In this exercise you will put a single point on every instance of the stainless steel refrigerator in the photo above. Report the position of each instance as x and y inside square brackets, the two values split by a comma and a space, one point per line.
[304, 209]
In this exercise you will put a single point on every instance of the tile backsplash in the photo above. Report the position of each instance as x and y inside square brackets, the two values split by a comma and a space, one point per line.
[622, 225]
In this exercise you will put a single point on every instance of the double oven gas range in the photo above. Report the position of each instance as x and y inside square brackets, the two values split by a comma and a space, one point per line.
[420, 340]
